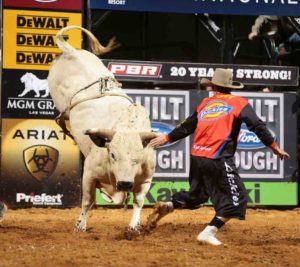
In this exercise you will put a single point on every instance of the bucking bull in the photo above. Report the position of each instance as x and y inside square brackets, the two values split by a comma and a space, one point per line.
[111, 131]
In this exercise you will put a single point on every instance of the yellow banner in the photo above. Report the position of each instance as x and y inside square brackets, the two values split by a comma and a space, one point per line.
[29, 37]
[37, 151]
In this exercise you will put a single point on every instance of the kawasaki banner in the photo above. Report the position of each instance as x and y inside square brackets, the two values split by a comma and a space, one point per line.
[259, 193]
[232, 7]
[192, 72]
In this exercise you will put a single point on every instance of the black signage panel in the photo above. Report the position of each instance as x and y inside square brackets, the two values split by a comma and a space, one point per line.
[25, 94]
[192, 72]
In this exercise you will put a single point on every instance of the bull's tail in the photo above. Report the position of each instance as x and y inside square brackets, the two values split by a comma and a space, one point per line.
[96, 47]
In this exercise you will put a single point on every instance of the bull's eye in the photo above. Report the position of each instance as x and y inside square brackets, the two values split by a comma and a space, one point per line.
[113, 156]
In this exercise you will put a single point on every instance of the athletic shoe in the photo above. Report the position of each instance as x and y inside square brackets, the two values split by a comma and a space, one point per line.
[208, 236]
[161, 209]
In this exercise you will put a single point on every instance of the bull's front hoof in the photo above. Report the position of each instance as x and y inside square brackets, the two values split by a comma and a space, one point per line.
[131, 233]
[80, 226]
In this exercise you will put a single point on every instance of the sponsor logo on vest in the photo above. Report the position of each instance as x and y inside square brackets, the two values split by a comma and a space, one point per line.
[214, 110]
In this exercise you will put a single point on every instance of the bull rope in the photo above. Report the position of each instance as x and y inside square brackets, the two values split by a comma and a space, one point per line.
[105, 85]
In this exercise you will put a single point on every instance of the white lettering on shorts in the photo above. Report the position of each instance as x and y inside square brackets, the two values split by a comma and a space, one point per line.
[233, 187]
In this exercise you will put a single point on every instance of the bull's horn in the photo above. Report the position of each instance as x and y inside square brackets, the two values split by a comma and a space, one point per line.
[104, 133]
[147, 135]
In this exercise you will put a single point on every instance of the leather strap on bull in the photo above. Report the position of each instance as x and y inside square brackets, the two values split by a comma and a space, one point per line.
[106, 84]
[61, 121]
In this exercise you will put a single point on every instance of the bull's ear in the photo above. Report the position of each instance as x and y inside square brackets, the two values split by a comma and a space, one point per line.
[146, 137]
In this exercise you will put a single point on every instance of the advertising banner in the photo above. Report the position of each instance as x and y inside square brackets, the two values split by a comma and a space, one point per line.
[257, 162]
[252, 158]
[192, 72]
[259, 193]
[166, 109]
[72, 5]
[26, 95]
[233, 7]
[40, 165]
[29, 36]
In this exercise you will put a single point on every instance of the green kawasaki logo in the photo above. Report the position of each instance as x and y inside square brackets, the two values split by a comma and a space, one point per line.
[260, 193]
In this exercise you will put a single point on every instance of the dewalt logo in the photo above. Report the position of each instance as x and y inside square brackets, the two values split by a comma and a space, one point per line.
[44, 22]
[37, 40]
[31, 37]
[35, 58]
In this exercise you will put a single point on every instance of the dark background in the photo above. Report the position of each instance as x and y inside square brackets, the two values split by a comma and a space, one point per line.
[176, 37]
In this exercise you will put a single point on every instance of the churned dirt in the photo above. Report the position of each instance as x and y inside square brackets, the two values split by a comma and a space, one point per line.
[45, 237]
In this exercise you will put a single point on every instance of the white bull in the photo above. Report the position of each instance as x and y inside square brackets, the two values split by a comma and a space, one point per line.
[121, 161]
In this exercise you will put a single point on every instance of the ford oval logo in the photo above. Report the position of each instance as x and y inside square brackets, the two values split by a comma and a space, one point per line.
[249, 140]
[162, 128]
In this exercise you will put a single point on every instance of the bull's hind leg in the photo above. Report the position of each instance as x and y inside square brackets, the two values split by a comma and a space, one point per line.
[138, 202]
[88, 199]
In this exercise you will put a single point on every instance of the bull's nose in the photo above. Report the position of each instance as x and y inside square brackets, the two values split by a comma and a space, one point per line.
[124, 186]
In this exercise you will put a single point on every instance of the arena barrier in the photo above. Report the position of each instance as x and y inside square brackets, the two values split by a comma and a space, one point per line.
[41, 166]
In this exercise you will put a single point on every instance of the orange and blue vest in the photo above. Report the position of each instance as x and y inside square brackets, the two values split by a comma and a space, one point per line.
[216, 124]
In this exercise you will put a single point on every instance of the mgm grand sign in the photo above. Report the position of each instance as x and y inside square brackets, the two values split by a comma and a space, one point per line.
[166, 109]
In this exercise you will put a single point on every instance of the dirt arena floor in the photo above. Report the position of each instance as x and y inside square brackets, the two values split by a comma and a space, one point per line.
[45, 237]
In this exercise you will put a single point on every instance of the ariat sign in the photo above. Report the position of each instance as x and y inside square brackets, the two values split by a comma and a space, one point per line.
[43, 199]
[39, 158]
[135, 70]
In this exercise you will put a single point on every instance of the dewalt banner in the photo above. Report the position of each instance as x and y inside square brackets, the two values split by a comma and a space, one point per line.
[40, 165]
[29, 36]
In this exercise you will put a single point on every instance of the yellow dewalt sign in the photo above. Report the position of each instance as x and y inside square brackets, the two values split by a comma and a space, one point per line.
[29, 37]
